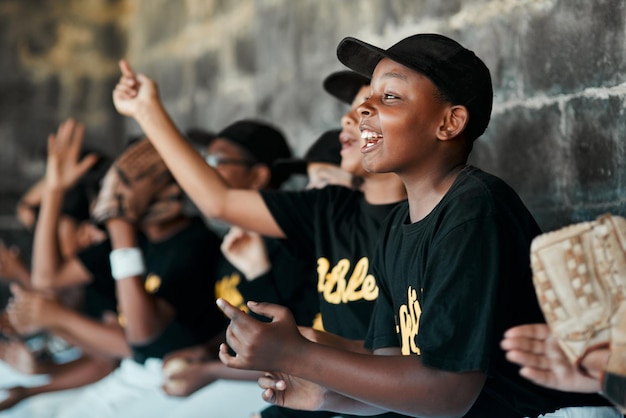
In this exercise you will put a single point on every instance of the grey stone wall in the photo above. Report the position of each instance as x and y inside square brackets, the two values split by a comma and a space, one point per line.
[558, 126]
[559, 71]
[57, 59]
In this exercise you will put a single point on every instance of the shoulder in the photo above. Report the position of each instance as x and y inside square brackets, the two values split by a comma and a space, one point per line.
[480, 196]
[477, 191]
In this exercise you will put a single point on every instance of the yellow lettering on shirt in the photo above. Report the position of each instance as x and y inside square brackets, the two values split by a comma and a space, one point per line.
[226, 288]
[152, 283]
[408, 323]
[318, 324]
[334, 287]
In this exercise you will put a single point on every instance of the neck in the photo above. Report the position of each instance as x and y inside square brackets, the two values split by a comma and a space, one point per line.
[380, 189]
[426, 190]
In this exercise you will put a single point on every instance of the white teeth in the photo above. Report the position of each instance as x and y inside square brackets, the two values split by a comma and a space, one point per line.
[370, 135]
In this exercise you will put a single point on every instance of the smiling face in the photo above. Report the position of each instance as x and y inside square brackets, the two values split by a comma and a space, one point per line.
[401, 120]
[350, 137]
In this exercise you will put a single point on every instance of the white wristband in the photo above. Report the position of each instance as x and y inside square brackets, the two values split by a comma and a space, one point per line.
[127, 262]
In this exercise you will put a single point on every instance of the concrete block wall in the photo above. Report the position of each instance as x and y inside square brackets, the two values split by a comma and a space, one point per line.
[559, 70]
[57, 59]
[558, 66]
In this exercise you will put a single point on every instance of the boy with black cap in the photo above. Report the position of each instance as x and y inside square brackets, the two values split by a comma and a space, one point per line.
[452, 267]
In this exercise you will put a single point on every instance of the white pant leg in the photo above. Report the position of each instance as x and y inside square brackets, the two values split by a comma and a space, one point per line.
[45, 405]
[222, 399]
[585, 412]
[130, 383]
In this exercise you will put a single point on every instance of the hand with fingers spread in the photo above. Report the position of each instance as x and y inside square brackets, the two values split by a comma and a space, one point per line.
[247, 252]
[132, 91]
[292, 392]
[259, 345]
[543, 361]
[64, 167]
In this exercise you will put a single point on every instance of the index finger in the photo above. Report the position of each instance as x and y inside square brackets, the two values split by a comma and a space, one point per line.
[126, 69]
[230, 311]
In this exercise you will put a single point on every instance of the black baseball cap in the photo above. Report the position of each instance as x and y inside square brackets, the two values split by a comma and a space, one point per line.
[344, 85]
[263, 141]
[199, 137]
[456, 71]
[325, 149]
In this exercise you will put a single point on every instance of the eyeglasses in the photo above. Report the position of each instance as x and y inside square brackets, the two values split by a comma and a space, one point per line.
[215, 160]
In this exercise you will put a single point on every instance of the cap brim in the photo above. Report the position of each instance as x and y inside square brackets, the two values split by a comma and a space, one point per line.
[359, 56]
[344, 85]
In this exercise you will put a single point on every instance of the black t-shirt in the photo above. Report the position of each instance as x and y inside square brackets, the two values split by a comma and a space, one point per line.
[453, 282]
[181, 270]
[100, 291]
[340, 229]
[290, 282]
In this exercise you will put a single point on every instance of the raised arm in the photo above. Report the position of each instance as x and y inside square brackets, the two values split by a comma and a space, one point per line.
[63, 170]
[137, 96]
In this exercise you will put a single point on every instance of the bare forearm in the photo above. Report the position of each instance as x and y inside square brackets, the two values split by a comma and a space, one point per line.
[397, 383]
[90, 335]
[46, 255]
[78, 373]
[217, 370]
[201, 182]
[145, 316]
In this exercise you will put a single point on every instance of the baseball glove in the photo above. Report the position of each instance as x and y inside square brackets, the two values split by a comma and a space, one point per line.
[168, 204]
[132, 184]
[579, 273]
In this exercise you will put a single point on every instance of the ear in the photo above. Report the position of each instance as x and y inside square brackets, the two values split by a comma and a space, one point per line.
[261, 175]
[454, 123]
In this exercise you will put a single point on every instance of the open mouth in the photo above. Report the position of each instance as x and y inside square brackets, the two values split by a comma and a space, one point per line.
[371, 139]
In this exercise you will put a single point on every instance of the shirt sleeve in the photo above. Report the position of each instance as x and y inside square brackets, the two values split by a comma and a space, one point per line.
[295, 213]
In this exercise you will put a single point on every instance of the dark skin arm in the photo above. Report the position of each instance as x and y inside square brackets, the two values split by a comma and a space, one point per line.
[402, 383]
[33, 311]
[146, 315]
[63, 169]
